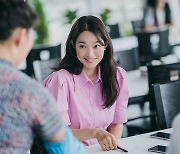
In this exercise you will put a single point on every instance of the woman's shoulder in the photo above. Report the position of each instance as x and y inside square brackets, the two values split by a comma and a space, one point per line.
[61, 73]
[121, 73]
[58, 76]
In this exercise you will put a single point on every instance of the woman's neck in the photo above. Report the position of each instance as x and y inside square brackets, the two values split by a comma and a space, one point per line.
[91, 73]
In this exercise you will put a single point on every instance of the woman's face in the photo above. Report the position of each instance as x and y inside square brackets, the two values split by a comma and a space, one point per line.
[89, 50]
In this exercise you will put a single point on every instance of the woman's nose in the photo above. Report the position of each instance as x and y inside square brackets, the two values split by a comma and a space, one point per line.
[90, 52]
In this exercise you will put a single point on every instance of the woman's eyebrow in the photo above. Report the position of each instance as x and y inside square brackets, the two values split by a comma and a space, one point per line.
[81, 42]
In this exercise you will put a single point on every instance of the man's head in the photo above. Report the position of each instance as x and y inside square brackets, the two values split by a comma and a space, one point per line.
[16, 22]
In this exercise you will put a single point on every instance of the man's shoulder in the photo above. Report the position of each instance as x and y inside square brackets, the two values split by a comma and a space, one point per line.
[33, 89]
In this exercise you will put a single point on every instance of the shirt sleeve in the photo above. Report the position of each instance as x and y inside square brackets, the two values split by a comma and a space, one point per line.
[58, 87]
[69, 144]
[120, 115]
[46, 117]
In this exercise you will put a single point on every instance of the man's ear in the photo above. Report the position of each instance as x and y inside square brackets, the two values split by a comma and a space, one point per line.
[20, 36]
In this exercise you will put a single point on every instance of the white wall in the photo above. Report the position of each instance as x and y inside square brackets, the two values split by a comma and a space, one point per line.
[123, 11]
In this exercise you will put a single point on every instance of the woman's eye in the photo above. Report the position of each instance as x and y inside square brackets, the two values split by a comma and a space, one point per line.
[97, 45]
[81, 46]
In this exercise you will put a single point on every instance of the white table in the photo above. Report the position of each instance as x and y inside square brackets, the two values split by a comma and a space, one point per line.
[124, 43]
[137, 83]
[135, 145]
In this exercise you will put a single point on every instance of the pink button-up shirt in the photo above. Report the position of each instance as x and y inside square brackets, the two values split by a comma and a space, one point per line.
[80, 100]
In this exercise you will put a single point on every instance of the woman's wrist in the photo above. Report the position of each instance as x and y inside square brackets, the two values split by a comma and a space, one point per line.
[94, 132]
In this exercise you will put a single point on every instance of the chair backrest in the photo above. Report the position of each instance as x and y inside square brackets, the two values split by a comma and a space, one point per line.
[114, 31]
[163, 73]
[167, 100]
[127, 59]
[159, 74]
[43, 68]
[153, 44]
[137, 26]
[42, 53]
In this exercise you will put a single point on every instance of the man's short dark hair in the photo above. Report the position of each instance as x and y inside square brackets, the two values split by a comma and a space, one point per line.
[14, 14]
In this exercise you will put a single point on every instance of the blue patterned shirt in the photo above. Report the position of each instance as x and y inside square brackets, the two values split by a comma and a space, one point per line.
[25, 106]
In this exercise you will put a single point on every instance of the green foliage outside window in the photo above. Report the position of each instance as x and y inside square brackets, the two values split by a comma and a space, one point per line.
[41, 28]
[105, 15]
[70, 16]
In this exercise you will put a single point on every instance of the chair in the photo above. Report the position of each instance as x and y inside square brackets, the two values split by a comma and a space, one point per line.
[153, 44]
[167, 100]
[163, 73]
[137, 26]
[114, 31]
[127, 59]
[42, 52]
[43, 68]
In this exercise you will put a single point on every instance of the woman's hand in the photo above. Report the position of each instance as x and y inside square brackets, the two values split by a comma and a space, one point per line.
[106, 140]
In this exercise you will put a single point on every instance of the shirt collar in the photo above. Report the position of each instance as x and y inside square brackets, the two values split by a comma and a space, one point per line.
[81, 79]
[4, 61]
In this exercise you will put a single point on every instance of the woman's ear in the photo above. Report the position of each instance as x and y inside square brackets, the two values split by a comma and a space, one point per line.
[105, 46]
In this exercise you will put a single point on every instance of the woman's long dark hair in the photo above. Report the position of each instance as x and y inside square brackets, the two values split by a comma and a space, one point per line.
[70, 62]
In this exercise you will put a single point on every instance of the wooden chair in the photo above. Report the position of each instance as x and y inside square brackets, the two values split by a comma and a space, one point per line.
[42, 53]
[167, 101]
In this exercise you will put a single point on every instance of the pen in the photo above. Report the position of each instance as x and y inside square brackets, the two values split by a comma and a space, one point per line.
[124, 150]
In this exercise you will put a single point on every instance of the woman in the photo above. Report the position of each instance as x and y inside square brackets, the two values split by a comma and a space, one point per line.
[25, 112]
[90, 89]
[157, 14]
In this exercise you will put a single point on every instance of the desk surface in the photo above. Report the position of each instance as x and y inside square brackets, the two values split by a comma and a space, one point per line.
[138, 144]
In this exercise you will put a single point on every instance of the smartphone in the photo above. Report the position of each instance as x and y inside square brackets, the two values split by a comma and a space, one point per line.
[158, 149]
[161, 135]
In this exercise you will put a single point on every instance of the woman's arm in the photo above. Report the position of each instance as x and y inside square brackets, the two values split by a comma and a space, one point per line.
[84, 134]
[106, 140]
[116, 130]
